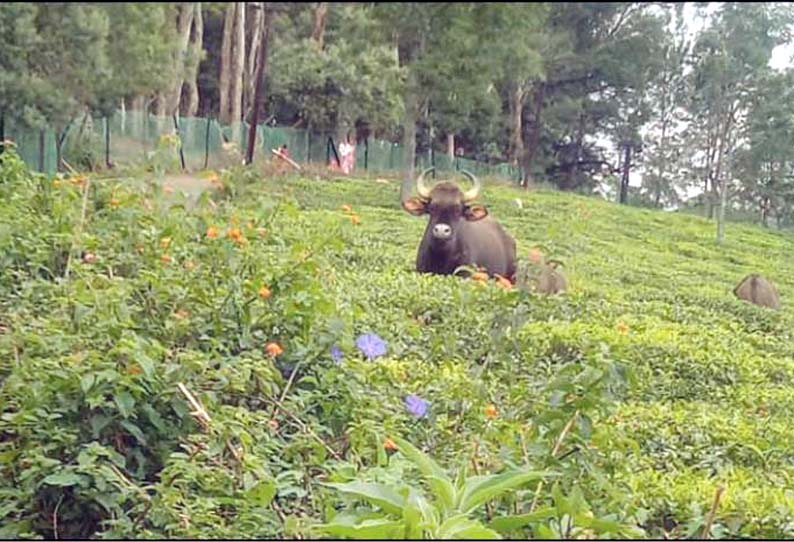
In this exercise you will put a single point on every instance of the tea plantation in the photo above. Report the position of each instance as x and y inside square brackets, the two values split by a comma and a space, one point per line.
[267, 363]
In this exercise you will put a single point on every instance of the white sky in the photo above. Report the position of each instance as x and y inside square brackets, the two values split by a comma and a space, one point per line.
[780, 60]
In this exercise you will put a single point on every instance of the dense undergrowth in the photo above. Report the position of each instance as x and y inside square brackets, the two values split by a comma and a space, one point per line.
[322, 359]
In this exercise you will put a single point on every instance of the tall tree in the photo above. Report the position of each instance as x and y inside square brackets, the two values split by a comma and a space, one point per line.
[665, 170]
[730, 59]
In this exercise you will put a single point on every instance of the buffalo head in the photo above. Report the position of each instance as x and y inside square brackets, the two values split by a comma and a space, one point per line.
[459, 232]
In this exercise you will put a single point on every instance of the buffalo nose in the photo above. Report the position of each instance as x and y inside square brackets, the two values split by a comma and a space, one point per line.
[442, 231]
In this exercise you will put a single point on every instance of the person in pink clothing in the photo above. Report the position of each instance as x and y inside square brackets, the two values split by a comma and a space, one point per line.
[347, 156]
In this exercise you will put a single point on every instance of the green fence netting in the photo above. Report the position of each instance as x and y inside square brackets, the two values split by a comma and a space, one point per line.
[133, 137]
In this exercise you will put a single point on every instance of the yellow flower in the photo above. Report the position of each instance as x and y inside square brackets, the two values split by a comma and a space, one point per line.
[622, 327]
[212, 232]
[264, 292]
[347, 208]
[389, 444]
[355, 219]
[165, 242]
[165, 258]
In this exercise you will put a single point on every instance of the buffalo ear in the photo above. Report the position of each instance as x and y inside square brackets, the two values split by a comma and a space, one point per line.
[415, 206]
[475, 213]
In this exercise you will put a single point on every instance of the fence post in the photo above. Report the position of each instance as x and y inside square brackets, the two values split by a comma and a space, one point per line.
[366, 153]
[333, 148]
[2, 132]
[181, 152]
[207, 143]
[41, 150]
[107, 142]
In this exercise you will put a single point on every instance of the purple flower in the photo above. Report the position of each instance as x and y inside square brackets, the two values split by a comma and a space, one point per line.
[336, 354]
[416, 406]
[371, 345]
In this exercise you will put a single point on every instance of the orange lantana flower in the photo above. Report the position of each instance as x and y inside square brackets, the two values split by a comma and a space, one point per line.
[490, 411]
[503, 282]
[273, 349]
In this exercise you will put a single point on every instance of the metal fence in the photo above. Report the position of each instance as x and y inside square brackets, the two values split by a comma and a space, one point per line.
[133, 137]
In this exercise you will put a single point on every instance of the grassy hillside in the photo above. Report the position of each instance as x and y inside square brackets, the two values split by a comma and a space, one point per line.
[649, 380]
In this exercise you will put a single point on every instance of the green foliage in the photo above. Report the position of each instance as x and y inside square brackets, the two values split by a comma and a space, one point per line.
[406, 513]
[642, 388]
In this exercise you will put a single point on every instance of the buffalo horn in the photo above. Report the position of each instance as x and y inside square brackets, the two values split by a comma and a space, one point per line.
[472, 193]
[421, 188]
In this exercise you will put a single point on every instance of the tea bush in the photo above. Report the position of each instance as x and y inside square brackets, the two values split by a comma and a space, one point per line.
[327, 374]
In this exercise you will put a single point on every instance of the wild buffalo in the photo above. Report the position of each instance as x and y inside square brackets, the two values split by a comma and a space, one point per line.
[550, 279]
[458, 232]
[757, 290]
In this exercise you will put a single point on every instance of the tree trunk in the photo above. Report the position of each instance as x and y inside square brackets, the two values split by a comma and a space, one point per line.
[451, 147]
[224, 80]
[238, 65]
[765, 211]
[318, 28]
[184, 24]
[531, 147]
[721, 152]
[259, 90]
[570, 176]
[516, 109]
[624, 182]
[196, 46]
[409, 135]
[123, 108]
[138, 103]
[721, 216]
[251, 69]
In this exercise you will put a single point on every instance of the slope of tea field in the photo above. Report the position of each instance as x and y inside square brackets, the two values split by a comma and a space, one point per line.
[302, 330]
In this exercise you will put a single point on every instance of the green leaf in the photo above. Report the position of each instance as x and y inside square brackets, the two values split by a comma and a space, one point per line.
[378, 494]
[350, 526]
[480, 489]
[125, 402]
[438, 479]
[460, 527]
[64, 478]
[146, 364]
[261, 493]
[86, 382]
[134, 431]
[506, 524]
[545, 532]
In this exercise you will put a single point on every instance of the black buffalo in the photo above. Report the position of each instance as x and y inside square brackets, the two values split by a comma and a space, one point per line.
[458, 232]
